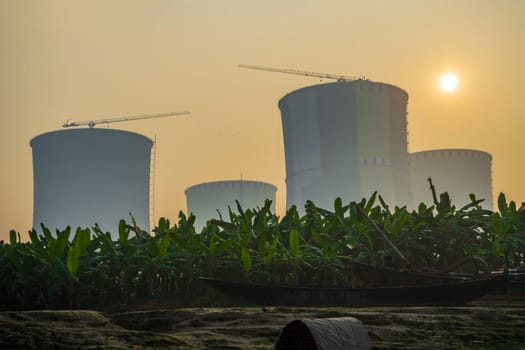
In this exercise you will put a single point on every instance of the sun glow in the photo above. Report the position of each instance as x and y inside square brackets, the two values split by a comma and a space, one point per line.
[448, 82]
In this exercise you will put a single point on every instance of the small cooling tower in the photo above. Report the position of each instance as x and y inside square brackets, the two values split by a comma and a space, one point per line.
[88, 176]
[456, 171]
[345, 139]
[204, 200]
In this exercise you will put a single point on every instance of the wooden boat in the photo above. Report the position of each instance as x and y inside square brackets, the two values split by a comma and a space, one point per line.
[377, 285]
[368, 275]
[446, 293]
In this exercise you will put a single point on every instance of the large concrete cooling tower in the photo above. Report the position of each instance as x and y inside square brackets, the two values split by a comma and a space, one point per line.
[459, 172]
[205, 199]
[345, 139]
[88, 176]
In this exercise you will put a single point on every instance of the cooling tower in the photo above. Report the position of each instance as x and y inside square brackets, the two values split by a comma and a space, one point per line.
[88, 176]
[205, 199]
[459, 172]
[345, 139]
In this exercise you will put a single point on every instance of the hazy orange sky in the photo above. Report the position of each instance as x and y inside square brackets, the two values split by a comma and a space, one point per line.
[78, 60]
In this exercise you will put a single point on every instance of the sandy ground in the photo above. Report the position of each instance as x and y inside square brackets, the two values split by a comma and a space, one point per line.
[482, 325]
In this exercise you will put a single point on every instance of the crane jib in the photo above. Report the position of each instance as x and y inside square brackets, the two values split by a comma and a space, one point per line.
[92, 123]
[337, 77]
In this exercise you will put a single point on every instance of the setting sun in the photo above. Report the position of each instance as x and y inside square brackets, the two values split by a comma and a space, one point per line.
[448, 82]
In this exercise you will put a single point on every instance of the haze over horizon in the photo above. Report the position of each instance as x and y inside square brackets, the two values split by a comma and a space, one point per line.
[79, 60]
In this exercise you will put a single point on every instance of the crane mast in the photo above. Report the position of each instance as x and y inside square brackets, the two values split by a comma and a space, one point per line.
[338, 77]
[92, 123]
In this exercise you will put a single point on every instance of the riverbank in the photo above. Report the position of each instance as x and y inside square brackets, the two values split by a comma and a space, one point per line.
[479, 325]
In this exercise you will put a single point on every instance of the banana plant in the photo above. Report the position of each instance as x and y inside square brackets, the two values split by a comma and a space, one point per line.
[508, 226]
[253, 244]
[78, 248]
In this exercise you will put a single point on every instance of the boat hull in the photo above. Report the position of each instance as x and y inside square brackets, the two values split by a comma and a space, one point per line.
[436, 294]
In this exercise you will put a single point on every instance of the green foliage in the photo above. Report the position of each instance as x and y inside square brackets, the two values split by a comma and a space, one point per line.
[14, 237]
[294, 242]
[78, 248]
[246, 259]
[252, 244]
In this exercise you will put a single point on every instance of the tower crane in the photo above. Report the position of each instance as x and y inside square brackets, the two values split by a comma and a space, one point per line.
[92, 123]
[338, 77]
